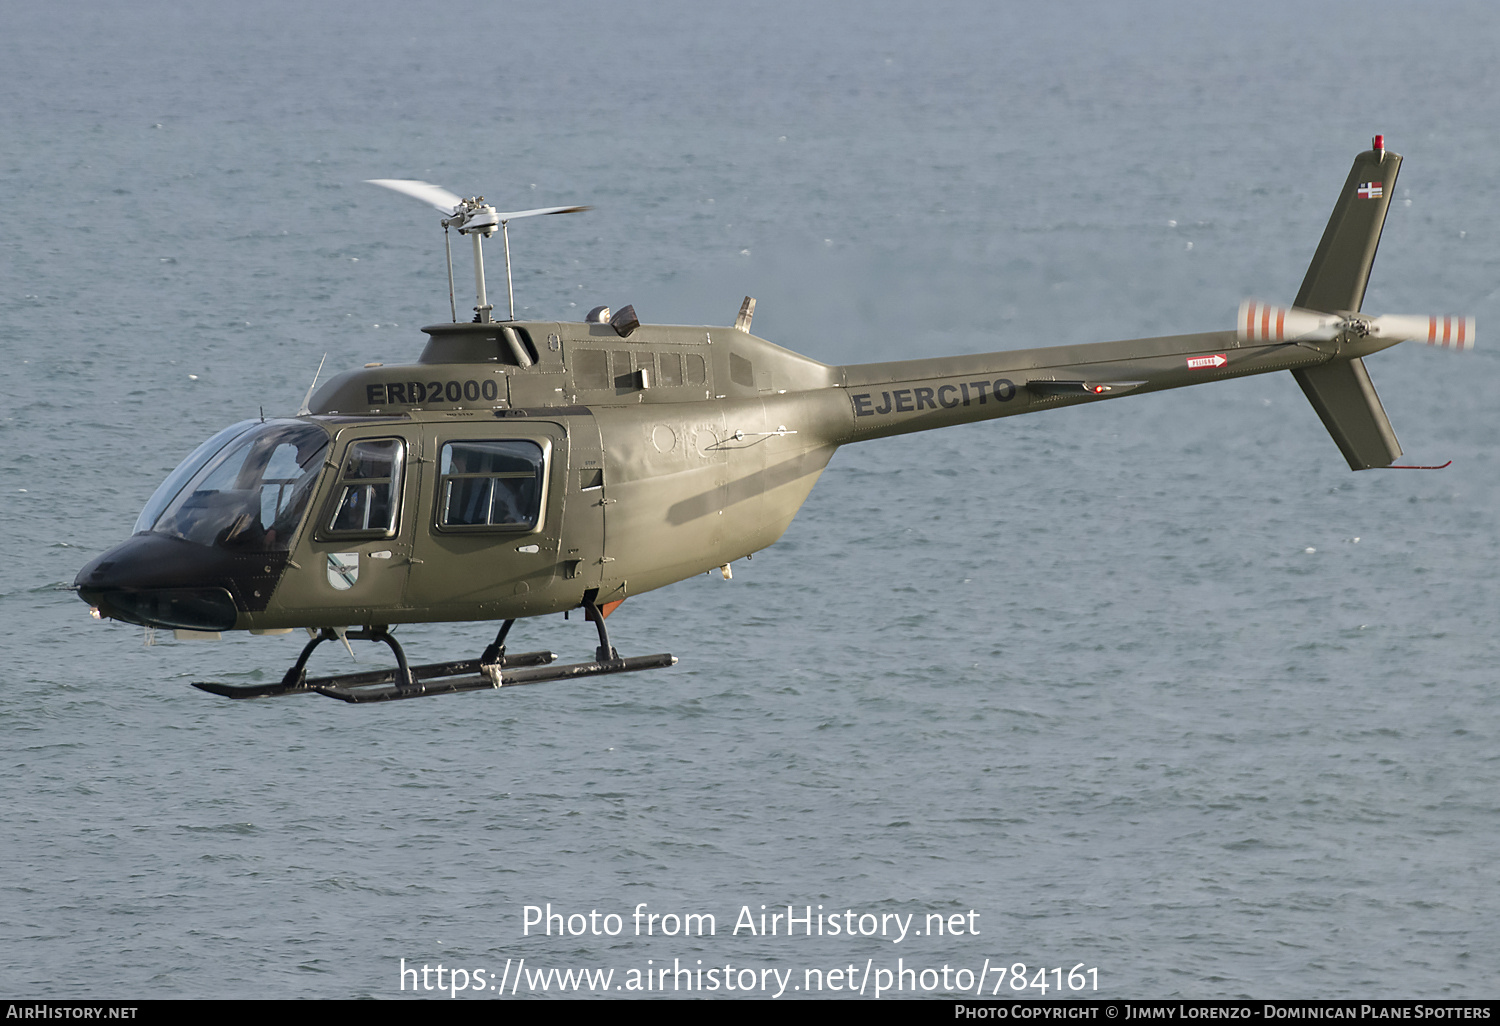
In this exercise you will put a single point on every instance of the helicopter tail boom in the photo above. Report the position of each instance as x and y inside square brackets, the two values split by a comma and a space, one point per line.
[896, 398]
[1321, 339]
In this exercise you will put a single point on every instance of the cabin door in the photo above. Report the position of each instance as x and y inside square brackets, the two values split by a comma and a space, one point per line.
[493, 529]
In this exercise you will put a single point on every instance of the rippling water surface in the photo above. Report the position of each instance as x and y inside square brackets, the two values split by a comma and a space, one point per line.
[1156, 686]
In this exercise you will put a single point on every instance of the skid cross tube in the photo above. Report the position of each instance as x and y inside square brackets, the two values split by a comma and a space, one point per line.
[605, 652]
[495, 654]
[296, 677]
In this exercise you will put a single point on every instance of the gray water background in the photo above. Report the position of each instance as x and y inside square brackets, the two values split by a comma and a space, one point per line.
[1157, 685]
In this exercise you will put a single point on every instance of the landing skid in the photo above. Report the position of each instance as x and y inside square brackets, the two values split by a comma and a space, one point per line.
[494, 669]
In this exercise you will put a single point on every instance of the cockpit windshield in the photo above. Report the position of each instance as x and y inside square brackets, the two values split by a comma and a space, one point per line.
[168, 489]
[251, 494]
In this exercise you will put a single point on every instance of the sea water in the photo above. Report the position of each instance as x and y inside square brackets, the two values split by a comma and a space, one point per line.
[1156, 688]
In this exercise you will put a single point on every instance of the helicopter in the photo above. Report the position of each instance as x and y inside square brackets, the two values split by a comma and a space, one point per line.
[524, 468]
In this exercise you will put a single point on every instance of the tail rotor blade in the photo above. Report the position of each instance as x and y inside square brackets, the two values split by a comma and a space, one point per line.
[1262, 322]
[1443, 332]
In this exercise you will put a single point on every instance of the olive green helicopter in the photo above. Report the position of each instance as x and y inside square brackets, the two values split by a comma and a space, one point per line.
[522, 468]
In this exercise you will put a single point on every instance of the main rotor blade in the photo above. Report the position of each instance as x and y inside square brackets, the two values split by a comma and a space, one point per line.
[540, 210]
[434, 195]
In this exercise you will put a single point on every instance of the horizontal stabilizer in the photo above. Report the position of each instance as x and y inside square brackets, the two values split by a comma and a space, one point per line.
[1344, 397]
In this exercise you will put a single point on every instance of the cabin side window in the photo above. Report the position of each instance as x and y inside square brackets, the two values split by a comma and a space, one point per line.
[491, 485]
[590, 368]
[369, 492]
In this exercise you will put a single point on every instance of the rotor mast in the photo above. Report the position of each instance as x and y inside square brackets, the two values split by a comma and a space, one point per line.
[476, 218]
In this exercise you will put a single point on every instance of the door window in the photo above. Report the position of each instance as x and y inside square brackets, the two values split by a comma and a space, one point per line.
[491, 484]
[369, 492]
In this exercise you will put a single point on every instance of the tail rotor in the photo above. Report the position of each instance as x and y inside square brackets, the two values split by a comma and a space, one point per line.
[1263, 322]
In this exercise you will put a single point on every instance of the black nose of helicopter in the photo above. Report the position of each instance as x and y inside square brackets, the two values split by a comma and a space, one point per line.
[212, 541]
[159, 581]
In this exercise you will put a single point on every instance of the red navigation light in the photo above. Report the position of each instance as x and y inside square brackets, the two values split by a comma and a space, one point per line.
[1379, 144]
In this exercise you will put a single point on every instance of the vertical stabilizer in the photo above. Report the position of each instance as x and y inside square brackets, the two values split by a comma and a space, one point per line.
[1345, 399]
[1341, 391]
[1340, 268]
